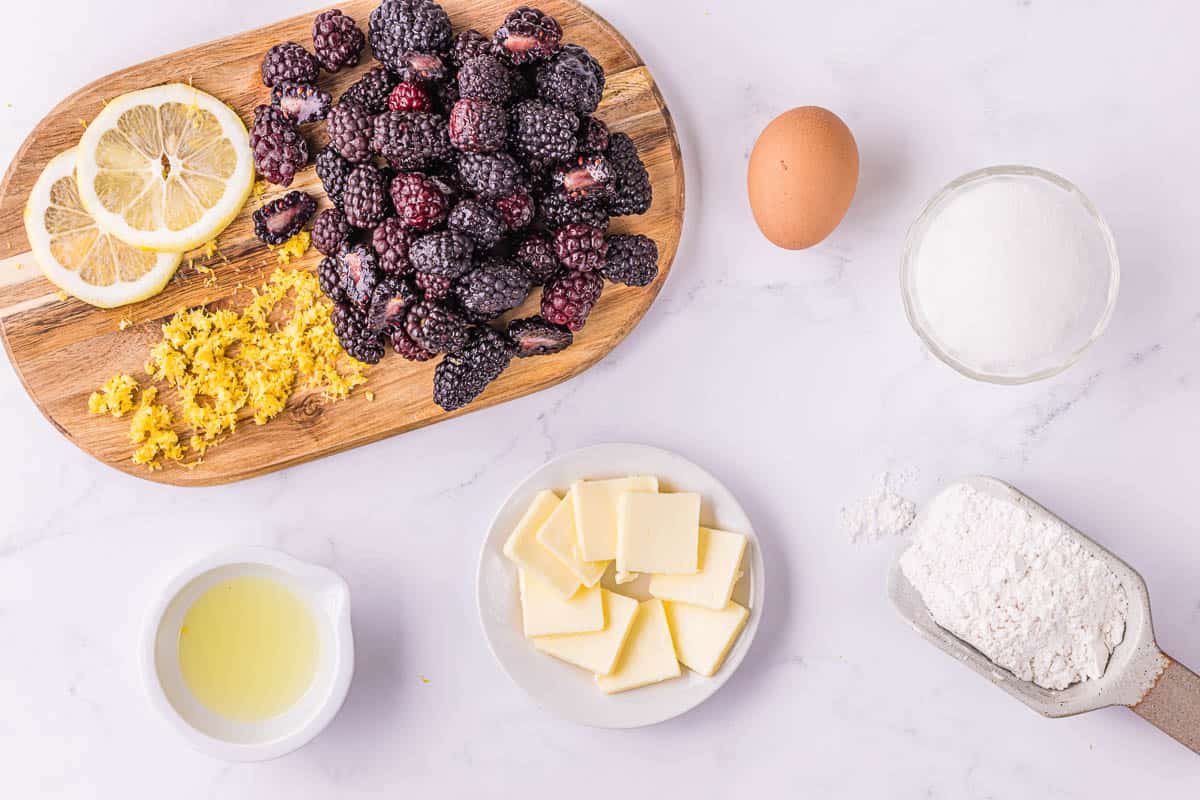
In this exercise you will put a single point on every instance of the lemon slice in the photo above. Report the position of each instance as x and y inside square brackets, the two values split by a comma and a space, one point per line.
[165, 168]
[80, 258]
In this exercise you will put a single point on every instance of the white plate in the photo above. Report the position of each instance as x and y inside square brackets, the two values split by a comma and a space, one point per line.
[566, 690]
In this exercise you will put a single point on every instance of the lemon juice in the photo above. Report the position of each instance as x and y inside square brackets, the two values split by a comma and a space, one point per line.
[248, 648]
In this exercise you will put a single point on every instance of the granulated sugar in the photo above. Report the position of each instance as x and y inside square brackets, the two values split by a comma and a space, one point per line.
[881, 513]
[1021, 588]
[1007, 270]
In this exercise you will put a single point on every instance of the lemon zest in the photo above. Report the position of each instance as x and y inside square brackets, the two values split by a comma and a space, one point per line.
[224, 364]
[115, 397]
[293, 248]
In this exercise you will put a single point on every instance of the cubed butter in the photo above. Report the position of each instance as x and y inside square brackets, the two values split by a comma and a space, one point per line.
[557, 535]
[596, 652]
[711, 587]
[625, 577]
[658, 533]
[702, 636]
[648, 657]
[528, 553]
[596, 513]
[545, 613]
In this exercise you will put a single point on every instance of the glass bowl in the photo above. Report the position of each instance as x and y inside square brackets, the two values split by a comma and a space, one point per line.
[1096, 308]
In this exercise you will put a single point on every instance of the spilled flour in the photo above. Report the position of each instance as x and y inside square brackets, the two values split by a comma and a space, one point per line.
[1020, 587]
[880, 514]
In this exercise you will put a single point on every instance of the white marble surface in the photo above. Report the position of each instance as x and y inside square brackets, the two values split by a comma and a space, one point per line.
[794, 377]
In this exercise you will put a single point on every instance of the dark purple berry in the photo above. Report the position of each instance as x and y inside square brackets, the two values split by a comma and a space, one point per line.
[337, 40]
[331, 232]
[289, 62]
[580, 247]
[534, 336]
[279, 149]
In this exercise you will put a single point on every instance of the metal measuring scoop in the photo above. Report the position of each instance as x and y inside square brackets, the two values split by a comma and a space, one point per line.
[1139, 675]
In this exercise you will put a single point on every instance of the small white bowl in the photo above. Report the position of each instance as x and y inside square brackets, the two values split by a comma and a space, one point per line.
[568, 691]
[236, 740]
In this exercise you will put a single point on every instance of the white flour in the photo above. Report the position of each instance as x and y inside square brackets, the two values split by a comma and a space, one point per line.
[1021, 589]
[881, 513]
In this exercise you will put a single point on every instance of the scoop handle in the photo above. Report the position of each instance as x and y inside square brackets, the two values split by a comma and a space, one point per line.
[1173, 704]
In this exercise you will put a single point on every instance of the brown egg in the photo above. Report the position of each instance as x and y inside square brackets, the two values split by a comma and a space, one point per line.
[802, 176]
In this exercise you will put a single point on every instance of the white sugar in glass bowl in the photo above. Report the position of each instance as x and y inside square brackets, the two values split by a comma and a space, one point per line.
[328, 599]
[1009, 274]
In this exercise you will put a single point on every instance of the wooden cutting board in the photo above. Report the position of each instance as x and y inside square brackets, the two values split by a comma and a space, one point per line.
[63, 350]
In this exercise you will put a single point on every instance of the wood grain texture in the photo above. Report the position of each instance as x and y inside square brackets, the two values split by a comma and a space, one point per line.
[63, 350]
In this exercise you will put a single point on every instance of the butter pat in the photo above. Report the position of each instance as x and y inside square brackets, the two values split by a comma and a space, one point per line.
[649, 656]
[557, 535]
[702, 636]
[658, 533]
[596, 513]
[711, 587]
[524, 549]
[545, 613]
[595, 652]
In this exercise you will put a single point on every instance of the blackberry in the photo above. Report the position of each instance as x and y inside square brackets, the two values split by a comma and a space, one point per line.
[516, 210]
[542, 131]
[397, 27]
[580, 247]
[631, 192]
[462, 376]
[364, 198]
[351, 330]
[445, 253]
[490, 175]
[477, 126]
[409, 97]
[411, 139]
[337, 40]
[631, 260]
[556, 210]
[331, 232]
[584, 178]
[534, 336]
[358, 273]
[281, 219]
[330, 279]
[300, 102]
[435, 327]
[289, 62]
[391, 239]
[349, 127]
[467, 45]
[528, 35]
[371, 91]
[390, 302]
[333, 170]
[569, 296]
[572, 79]
[477, 220]
[495, 287]
[279, 149]
[403, 344]
[421, 202]
[423, 68]
[486, 78]
[593, 136]
[435, 287]
[536, 256]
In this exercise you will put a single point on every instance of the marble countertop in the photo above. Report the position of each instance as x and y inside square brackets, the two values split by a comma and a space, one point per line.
[793, 376]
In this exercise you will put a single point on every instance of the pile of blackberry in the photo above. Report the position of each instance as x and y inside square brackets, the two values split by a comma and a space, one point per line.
[464, 170]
